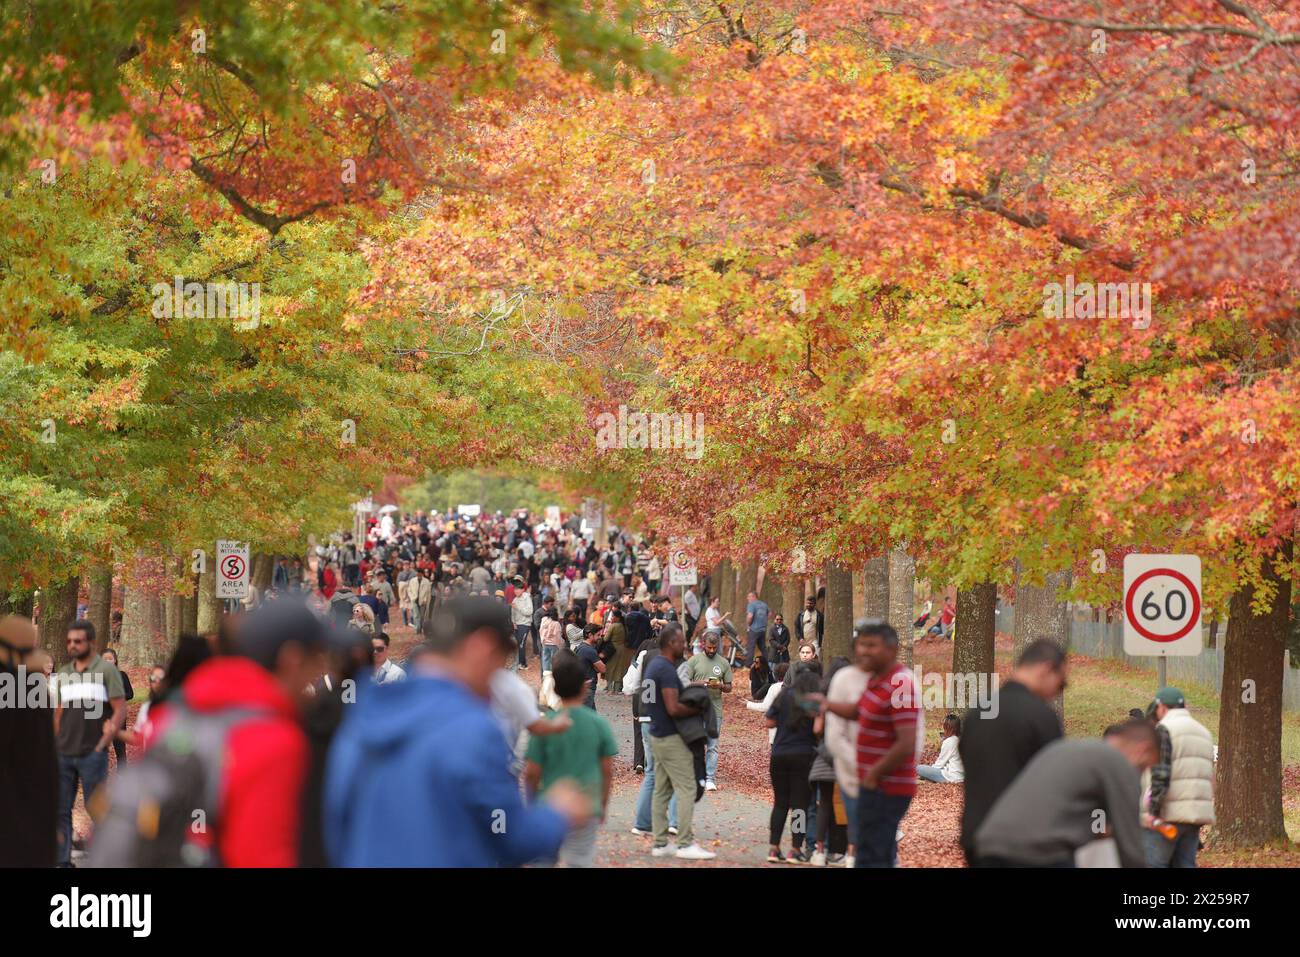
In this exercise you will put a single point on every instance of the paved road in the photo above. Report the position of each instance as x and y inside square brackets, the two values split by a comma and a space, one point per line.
[729, 822]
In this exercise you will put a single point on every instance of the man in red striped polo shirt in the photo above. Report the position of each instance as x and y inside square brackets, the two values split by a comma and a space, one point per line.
[887, 715]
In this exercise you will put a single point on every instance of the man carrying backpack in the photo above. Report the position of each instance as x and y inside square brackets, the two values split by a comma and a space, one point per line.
[230, 746]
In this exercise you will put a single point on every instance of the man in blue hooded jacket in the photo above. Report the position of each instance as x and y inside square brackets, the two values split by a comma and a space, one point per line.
[419, 774]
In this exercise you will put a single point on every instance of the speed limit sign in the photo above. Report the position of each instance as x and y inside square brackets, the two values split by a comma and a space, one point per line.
[1162, 605]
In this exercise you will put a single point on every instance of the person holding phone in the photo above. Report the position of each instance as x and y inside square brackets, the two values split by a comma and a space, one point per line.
[714, 671]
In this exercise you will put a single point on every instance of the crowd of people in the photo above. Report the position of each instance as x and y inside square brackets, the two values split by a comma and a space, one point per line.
[292, 738]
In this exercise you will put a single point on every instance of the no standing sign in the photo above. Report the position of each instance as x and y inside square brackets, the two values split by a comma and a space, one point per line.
[232, 569]
[1162, 605]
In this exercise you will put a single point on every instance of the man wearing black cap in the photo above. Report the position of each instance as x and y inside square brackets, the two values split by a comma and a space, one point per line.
[433, 741]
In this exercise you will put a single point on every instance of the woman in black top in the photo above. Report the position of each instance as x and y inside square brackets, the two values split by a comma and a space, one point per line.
[119, 746]
[793, 751]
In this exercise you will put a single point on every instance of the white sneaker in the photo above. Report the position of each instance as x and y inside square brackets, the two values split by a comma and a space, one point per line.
[672, 830]
[710, 786]
[898, 836]
[848, 861]
[640, 833]
[818, 859]
[695, 853]
[663, 851]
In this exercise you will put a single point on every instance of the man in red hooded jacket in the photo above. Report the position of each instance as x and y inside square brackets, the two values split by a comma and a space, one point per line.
[277, 652]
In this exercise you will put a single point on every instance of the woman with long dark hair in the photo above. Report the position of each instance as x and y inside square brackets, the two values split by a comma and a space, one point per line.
[822, 781]
[793, 750]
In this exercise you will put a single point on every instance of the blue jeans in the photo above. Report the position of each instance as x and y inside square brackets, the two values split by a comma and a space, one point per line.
[548, 652]
[878, 818]
[643, 821]
[755, 639]
[711, 754]
[930, 773]
[1180, 852]
[91, 769]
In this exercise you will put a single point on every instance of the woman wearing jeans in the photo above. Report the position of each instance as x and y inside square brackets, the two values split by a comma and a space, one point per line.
[552, 637]
[793, 750]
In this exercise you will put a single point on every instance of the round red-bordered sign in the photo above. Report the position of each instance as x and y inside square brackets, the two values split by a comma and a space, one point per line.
[239, 563]
[1193, 620]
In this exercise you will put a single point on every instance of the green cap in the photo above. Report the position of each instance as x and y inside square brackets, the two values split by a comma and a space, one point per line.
[1170, 698]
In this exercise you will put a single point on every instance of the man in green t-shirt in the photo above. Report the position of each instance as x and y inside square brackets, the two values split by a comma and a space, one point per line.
[583, 754]
[89, 710]
[714, 671]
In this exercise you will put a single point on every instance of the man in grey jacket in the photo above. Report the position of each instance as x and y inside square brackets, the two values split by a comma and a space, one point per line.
[1071, 793]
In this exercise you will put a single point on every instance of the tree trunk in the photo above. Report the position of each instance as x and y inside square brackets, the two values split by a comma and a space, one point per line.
[772, 593]
[141, 626]
[208, 619]
[724, 580]
[859, 593]
[1248, 790]
[791, 604]
[174, 603]
[190, 607]
[902, 603]
[58, 611]
[1040, 614]
[838, 639]
[876, 596]
[973, 651]
[263, 569]
[100, 609]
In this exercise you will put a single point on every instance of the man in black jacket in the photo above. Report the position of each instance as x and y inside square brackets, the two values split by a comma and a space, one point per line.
[809, 623]
[779, 641]
[637, 624]
[997, 743]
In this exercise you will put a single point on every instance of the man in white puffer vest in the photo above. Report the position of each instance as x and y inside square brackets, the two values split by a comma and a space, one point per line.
[1180, 786]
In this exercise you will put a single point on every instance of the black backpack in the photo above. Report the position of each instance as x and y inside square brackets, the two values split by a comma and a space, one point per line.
[158, 805]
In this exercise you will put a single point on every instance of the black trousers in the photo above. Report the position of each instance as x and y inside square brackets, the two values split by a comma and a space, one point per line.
[638, 746]
[790, 790]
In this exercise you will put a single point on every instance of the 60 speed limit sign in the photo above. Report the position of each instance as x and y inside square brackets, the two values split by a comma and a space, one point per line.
[1162, 605]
